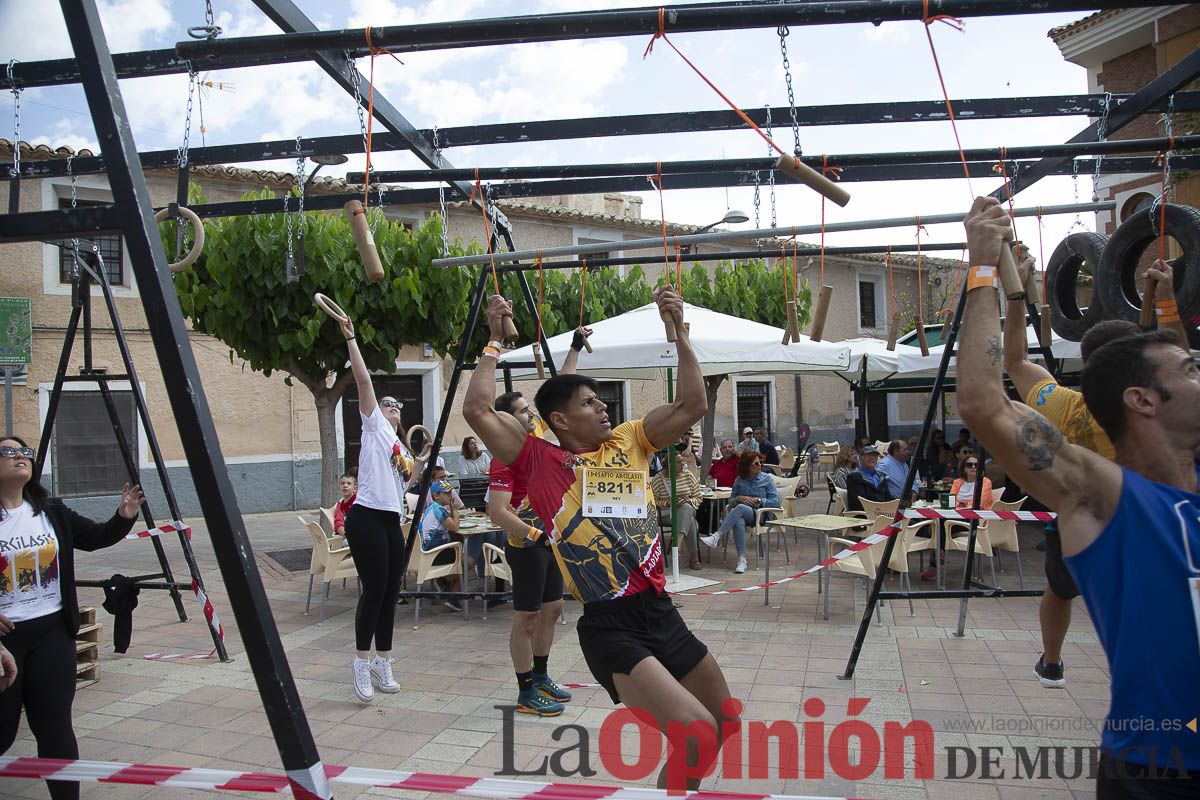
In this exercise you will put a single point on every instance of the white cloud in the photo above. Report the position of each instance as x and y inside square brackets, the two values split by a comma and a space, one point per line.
[66, 133]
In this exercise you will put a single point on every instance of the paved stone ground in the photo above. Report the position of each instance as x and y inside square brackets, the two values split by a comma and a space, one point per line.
[974, 691]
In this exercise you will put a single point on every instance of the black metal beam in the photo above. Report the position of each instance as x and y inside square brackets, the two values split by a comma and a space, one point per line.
[1152, 94]
[628, 22]
[137, 64]
[33, 226]
[181, 376]
[630, 125]
[989, 156]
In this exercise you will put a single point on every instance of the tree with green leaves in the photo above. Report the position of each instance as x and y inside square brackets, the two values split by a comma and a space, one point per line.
[238, 292]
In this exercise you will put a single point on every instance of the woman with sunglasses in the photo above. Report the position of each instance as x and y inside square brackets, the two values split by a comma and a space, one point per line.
[374, 530]
[963, 487]
[39, 609]
[753, 489]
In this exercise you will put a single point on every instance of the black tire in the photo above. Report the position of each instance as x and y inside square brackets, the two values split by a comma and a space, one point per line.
[1116, 280]
[802, 490]
[1062, 273]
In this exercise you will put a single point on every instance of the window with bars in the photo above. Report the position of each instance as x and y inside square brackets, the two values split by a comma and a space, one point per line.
[754, 405]
[86, 456]
[866, 305]
[612, 394]
[111, 251]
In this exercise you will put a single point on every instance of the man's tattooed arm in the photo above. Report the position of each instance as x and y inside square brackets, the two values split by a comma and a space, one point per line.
[995, 351]
[1038, 440]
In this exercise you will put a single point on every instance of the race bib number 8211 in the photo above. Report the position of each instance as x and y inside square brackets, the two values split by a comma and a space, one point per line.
[614, 492]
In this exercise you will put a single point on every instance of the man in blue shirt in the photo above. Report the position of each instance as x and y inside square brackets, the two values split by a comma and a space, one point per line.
[894, 466]
[866, 482]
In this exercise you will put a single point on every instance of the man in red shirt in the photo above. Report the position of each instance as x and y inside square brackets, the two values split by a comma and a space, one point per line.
[725, 469]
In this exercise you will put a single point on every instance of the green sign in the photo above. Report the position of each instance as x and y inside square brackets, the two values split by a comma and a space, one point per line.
[16, 331]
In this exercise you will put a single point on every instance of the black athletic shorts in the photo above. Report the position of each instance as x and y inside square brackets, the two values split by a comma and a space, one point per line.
[616, 635]
[1125, 781]
[535, 576]
[1057, 576]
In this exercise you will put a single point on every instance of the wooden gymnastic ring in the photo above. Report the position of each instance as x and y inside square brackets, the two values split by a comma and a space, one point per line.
[1062, 275]
[408, 438]
[197, 229]
[331, 308]
[1116, 279]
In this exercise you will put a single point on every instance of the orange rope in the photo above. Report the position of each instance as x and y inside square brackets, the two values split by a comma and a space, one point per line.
[783, 260]
[887, 259]
[1042, 255]
[371, 112]
[795, 270]
[824, 169]
[958, 25]
[962, 270]
[539, 302]
[920, 283]
[477, 189]
[662, 34]
[582, 289]
[657, 180]
[678, 268]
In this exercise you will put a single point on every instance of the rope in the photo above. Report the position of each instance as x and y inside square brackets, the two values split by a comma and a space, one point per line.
[657, 180]
[1042, 255]
[374, 51]
[487, 228]
[538, 338]
[662, 34]
[887, 260]
[824, 168]
[960, 26]
[920, 283]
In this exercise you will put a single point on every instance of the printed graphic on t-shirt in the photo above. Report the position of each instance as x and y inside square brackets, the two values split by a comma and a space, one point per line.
[600, 558]
[29, 579]
[1066, 409]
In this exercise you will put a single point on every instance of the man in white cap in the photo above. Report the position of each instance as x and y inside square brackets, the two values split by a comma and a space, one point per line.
[748, 441]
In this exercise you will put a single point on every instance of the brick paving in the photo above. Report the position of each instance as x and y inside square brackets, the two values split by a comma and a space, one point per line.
[455, 672]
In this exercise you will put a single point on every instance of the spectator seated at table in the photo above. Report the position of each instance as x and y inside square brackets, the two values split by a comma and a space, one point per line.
[963, 488]
[725, 471]
[688, 497]
[894, 466]
[439, 475]
[866, 482]
[845, 463]
[954, 467]
[348, 487]
[748, 441]
[766, 447]
[439, 526]
[475, 462]
[753, 489]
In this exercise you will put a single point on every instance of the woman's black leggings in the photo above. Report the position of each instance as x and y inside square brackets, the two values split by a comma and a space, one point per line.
[45, 686]
[377, 547]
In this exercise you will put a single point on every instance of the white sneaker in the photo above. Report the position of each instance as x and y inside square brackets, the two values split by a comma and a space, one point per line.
[741, 565]
[712, 540]
[362, 680]
[381, 674]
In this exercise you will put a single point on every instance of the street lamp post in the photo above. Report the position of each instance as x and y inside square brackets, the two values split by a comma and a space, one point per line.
[732, 217]
[321, 161]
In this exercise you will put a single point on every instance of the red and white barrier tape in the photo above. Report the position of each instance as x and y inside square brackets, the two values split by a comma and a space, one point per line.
[874, 538]
[214, 622]
[161, 529]
[200, 778]
[966, 513]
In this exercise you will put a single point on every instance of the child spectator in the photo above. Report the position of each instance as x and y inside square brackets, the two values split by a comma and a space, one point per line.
[438, 527]
[348, 486]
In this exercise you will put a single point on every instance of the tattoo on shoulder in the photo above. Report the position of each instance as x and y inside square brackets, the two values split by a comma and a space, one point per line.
[1038, 440]
[995, 351]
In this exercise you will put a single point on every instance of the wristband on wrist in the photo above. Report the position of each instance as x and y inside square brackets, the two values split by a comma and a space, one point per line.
[1167, 311]
[351, 338]
[982, 277]
[533, 534]
[490, 351]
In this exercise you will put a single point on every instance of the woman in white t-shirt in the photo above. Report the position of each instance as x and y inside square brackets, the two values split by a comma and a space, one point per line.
[39, 609]
[475, 463]
[374, 529]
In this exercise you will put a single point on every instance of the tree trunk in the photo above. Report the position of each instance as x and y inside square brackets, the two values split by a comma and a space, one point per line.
[326, 402]
[711, 384]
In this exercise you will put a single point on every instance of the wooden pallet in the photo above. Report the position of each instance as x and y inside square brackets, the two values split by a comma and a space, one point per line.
[87, 648]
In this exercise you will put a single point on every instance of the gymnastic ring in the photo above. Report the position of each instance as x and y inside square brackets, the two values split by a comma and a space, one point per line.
[408, 438]
[331, 308]
[1062, 277]
[1116, 278]
[197, 228]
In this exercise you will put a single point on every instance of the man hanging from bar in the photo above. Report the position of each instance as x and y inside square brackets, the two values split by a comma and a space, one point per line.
[592, 493]
[1130, 530]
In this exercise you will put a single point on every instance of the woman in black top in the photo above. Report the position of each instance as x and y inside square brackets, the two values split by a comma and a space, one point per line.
[39, 609]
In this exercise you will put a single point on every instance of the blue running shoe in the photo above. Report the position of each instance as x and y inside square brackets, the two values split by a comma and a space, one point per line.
[551, 689]
[531, 701]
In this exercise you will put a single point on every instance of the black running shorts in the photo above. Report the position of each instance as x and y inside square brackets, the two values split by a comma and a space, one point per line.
[535, 576]
[616, 635]
[1057, 576]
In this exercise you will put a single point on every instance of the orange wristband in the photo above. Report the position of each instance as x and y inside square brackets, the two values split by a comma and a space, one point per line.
[534, 534]
[1167, 311]
[982, 277]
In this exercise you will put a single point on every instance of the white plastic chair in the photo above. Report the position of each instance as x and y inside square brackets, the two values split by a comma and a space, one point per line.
[990, 536]
[495, 566]
[329, 560]
[426, 570]
[863, 565]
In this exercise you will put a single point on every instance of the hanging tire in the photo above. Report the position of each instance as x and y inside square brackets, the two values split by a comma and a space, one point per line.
[1062, 274]
[1116, 280]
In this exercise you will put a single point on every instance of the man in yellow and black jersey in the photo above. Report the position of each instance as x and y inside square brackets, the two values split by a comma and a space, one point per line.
[592, 493]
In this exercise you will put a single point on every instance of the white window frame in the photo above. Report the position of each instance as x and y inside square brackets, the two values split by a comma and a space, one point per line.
[626, 396]
[599, 236]
[882, 312]
[87, 187]
[44, 389]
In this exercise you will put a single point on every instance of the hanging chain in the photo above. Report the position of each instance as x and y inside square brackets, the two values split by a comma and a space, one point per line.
[787, 77]
[757, 198]
[290, 264]
[358, 105]
[16, 93]
[437, 157]
[1101, 132]
[1078, 223]
[74, 201]
[771, 174]
[181, 157]
[378, 208]
[1167, 189]
[209, 30]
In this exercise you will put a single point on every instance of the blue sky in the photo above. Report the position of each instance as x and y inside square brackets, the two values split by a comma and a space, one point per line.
[994, 57]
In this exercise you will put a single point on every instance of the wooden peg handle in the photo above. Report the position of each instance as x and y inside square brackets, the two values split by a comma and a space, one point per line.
[946, 326]
[1032, 290]
[921, 340]
[1046, 331]
[586, 344]
[365, 242]
[893, 332]
[819, 314]
[668, 324]
[537, 360]
[1010, 279]
[1147, 318]
[793, 322]
[799, 171]
[510, 330]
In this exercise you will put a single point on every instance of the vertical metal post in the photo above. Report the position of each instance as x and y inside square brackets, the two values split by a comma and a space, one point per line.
[181, 375]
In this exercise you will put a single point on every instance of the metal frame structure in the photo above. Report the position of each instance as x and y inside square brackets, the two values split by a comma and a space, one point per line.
[131, 212]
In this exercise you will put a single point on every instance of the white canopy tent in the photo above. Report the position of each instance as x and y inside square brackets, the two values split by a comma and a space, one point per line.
[912, 364]
[633, 345]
